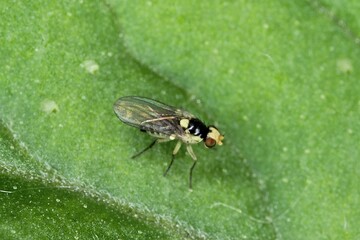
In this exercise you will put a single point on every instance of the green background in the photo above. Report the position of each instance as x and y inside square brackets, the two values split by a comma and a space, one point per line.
[279, 79]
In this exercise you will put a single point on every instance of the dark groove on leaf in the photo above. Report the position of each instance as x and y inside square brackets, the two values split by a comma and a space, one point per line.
[323, 9]
[54, 184]
[117, 25]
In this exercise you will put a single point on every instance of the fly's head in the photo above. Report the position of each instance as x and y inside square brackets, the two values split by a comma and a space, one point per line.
[213, 137]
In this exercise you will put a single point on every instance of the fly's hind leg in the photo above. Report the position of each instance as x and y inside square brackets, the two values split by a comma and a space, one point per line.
[176, 149]
[159, 140]
[192, 154]
[144, 150]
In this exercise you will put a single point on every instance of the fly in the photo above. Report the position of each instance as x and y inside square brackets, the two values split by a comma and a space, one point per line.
[166, 123]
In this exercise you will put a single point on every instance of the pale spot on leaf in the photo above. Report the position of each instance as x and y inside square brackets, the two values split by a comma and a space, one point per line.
[344, 65]
[49, 106]
[90, 66]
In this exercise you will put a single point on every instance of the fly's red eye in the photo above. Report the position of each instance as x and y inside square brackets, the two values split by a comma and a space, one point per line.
[210, 142]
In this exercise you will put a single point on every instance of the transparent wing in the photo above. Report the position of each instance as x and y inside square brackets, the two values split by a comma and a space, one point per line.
[150, 115]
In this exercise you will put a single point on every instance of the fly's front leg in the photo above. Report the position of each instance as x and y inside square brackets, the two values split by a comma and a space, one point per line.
[192, 154]
[176, 149]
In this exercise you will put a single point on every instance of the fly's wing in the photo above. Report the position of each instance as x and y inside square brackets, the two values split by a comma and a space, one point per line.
[150, 115]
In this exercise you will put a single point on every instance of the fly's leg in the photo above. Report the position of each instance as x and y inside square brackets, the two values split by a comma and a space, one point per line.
[191, 170]
[176, 149]
[147, 148]
[159, 140]
[192, 154]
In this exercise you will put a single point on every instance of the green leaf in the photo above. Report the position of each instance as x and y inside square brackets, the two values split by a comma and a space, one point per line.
[280, 80]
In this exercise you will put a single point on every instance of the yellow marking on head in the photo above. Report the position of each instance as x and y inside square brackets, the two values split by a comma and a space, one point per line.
[215, 134]
[184, 123]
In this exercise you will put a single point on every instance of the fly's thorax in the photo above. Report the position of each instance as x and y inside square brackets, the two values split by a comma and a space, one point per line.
[195, 130]
[194, 127]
